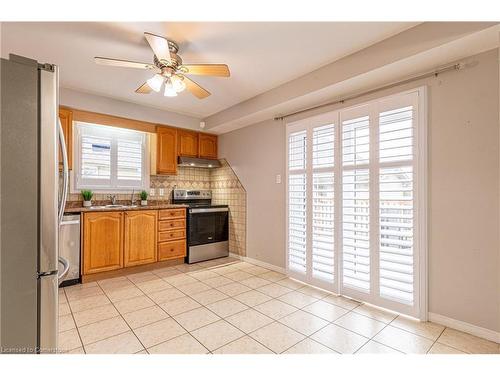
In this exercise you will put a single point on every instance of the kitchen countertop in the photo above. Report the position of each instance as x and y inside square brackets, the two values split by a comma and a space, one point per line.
[77, 207]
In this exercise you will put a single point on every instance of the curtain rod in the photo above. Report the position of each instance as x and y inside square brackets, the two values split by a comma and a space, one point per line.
[434, 73]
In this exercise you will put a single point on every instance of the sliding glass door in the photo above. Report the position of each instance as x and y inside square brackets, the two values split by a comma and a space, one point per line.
[356, 202]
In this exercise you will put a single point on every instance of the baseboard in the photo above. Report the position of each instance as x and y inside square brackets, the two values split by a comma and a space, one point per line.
[258, 263]
[459, 325]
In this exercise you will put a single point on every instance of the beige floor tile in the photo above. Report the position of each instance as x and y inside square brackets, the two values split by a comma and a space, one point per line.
[360, 324]
[313, 292]
[249, 320]
[378, 314]
[184, 344]
[339, 339]
[165, 273]
[125, 343]
[238, 275]
[243, 345]
[179, 305]
[209, 296]
[142, 277]
[102, 330]
[153, 286]
[193, 288]
[256, 270]
[274, 290]
[345, 303]
[61, 296]
[117, 295]
[304, 322]
[188, 267]
[218, 281]
[217, 334]
[227, 307]
[203, 275]
[403, 341]
[96, 314]
[68, 340]
[467, 343]
[143, 352]
[115, 283]
[66, 323]
[297, 299]
[277, 337]
[156, 333]
[233, 289]
[180, 279]
[255, 282]
[80, 286]
[438, 348]
[79, 350]
[166, 295]
[252, 298]
[76, 293]
[139, 318]
[133, 304]
[309, 346]
[196, 318]
[88, 303]
[272, 276]
[275, 309]
[426, 329]
[372, 347]
[326, 310]
[290, 284]
[64, 309]
[226, 269]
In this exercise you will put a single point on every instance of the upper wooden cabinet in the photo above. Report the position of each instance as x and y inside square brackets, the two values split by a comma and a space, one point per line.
[140, 237]
[207, 146]
[66, 117]
[187, 143]
[166, 150]
[102, 241]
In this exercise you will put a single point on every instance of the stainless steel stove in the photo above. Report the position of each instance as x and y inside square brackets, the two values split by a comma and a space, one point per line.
[207, 225]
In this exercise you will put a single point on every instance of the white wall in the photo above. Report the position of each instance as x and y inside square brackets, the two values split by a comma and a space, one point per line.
[464, 160]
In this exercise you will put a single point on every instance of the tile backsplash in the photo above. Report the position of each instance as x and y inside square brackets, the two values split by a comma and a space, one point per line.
[226, 189]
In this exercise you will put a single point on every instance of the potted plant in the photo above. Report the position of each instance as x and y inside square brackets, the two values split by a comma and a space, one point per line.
[87, 197]
[144, 198]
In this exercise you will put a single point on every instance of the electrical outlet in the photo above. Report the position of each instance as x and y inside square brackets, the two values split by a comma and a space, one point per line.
[278, 179]
[162, 192]
[152, 192]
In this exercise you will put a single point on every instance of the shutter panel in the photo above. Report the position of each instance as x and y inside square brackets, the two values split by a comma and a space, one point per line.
[96, 158]
[396, 135]
[129, 162]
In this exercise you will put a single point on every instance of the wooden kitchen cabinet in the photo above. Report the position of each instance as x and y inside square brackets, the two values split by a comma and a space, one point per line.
[171, 234]
[66, 117]
[140, 238]
[187, 143]
[207, 146]
[102, 241]
[166, 150]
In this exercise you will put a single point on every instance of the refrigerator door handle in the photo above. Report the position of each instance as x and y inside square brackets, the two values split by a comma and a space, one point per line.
[64, 195]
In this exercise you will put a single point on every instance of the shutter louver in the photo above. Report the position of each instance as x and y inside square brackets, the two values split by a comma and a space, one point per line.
[129, 160]
[96, 158]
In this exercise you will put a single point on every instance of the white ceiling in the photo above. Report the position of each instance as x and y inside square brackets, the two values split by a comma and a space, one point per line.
[261, 56]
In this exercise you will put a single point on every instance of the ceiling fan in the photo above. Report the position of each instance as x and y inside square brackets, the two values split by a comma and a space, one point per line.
[169, 69]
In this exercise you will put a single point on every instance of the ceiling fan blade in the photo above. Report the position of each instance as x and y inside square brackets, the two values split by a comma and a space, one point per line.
[124, 63]
[195, 89]
[144, 89]
[159, 45]
[217, 70]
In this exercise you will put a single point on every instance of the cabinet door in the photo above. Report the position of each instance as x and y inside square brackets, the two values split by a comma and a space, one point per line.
[187, 143]
[102, 241]
[140, 238]
[207, 146]
[66, 117]
[166, 151]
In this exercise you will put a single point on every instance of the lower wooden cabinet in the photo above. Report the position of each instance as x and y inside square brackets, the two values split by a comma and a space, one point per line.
[102, 241]
[140, 238]
[172, 249]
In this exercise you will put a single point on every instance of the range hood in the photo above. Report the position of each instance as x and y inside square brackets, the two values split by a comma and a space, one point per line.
[183, 161]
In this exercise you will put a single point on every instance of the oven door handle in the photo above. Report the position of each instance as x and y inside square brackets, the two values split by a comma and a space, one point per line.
[204, 210]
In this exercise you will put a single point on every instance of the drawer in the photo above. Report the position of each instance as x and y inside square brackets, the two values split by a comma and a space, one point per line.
[170, 235]
[171, 249]
[171, 224]
[173, 213]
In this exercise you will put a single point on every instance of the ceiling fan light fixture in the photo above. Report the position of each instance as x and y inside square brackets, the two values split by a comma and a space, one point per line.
[178, 83]
[169, 88]
[155, 82]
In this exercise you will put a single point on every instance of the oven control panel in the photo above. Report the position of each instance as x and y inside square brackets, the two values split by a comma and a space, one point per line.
[180, 194]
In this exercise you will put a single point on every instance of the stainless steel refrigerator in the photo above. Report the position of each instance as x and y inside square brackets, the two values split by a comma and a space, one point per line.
[31, 205]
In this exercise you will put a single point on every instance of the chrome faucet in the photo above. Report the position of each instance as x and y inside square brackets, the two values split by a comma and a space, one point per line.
[132, 197]
[113, 199]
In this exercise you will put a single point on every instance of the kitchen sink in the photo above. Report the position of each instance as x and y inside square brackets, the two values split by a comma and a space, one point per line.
[113, 206]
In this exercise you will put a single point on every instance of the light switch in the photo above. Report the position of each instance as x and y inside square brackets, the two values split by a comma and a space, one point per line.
[162, 192]
[278, 179]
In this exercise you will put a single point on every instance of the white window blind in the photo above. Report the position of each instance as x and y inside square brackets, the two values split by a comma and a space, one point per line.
[110, 158]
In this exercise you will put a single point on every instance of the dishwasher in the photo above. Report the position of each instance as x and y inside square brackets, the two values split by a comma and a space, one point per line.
[69, 248]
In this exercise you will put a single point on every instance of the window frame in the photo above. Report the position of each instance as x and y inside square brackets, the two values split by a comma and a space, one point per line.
[113, 186]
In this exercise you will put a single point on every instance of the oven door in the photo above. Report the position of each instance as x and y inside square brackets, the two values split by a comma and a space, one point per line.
[207, 225]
